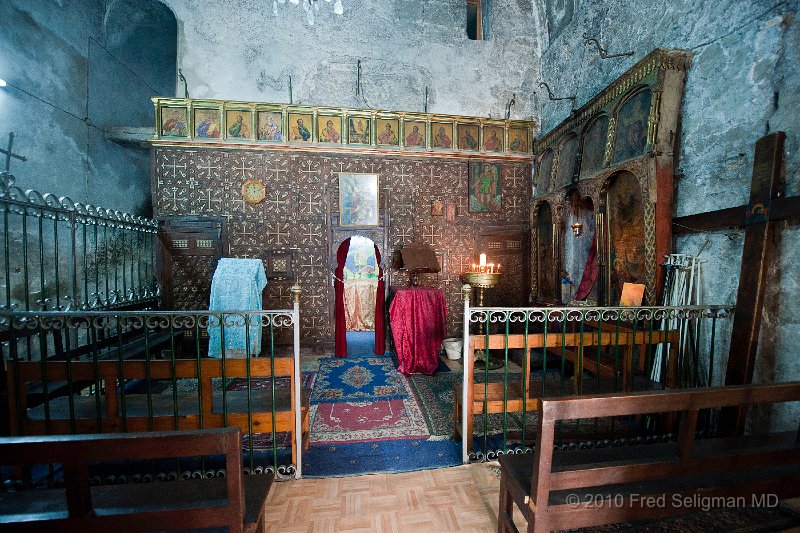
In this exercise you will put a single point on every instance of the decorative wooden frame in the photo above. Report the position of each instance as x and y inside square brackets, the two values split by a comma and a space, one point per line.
[346, 200]
[280, 264]
[663, 72]
[314, 115]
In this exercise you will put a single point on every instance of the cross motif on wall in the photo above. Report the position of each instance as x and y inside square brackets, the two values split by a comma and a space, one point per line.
[401, 175]
[279, 234]
[459, 182]
[239, 203]
[277, 202]
[244, 169]
[177, 201]
[283, 294]
[208, 200]
[313, 299]
[174, 167]
[513, 202]
[311, 265]
[404, 234]
[313, 320]
[208, 167]
[433, 178]
[308, 202]
[309, 235]
[462, 204]
[431, 235]
[513, 178]
[245, 230]
[277, 170]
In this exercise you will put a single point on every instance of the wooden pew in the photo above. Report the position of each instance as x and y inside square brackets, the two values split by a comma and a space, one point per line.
[573, 348]
[235, 502]
[111, 411]
[580, 488]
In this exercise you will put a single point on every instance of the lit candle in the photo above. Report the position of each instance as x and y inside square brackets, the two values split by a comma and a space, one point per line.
[498, 268]
[491, 268]
[473, 268]
[482, 262]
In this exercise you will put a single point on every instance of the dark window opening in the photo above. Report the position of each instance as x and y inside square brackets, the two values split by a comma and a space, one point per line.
[474, 26]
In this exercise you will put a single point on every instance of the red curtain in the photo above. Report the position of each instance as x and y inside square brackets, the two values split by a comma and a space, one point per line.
[589, 273]
[340, 331]
[379, 329]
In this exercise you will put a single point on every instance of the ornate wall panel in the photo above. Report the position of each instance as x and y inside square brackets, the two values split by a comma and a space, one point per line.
[302, 199]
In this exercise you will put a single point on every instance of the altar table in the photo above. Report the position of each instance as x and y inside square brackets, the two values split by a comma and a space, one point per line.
[417, 318]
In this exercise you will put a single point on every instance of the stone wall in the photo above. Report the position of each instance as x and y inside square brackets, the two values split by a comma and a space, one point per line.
[303, 199]
[239, 50]
[743, 83]
[56, 52]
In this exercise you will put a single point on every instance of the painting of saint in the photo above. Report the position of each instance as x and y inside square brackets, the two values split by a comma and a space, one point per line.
[437, 208]
[594, 146]
[269, 126]
[358, 199]
[631, 139]
[206, 124]
[173, 122]
[442, 135]
[299, 127]
[387, 132]
[484, 187]
[468, 136]
[493, 139]
[415, 133]
[330, 129]
[518, 140]
[238, 124]
[359, 130]
[626, 231]
[450, 210]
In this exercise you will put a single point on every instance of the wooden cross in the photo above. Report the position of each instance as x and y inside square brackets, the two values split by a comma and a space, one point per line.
[767, 205]
[9, 153]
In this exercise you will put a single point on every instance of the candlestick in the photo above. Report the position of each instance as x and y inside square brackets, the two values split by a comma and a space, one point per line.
[483, 260]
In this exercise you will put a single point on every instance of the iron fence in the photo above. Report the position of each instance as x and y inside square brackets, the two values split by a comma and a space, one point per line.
[513, 357]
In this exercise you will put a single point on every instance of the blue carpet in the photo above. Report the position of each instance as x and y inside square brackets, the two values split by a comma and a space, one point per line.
[358, 379]
[383, 456]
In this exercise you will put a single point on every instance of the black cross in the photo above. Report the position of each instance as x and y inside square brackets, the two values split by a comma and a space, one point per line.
[9, 154]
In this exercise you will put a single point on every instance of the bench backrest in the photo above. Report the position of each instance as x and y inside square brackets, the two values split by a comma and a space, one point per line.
[77, 452]
[684, 462]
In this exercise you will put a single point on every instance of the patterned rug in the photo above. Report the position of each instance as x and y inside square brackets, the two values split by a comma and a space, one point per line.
[358, 379]
[343, 422]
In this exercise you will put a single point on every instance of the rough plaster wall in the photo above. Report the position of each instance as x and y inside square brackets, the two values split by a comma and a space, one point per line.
[54, 50]
[744, 54]
[239, 50]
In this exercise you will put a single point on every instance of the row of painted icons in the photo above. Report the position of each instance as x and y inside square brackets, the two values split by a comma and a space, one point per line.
[389, 132]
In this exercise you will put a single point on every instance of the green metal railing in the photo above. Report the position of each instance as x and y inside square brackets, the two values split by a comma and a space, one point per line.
[536, 353]
[150, 371]
[62, 255]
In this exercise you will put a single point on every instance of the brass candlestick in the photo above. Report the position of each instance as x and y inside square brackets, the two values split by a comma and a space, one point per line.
[483, 280]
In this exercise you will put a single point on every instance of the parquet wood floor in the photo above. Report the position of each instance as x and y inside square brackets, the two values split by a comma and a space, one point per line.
[462, 498]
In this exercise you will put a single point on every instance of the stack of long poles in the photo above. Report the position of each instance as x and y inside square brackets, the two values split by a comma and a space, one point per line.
[681, 288]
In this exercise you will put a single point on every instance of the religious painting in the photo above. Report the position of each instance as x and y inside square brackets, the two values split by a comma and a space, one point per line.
[387, 131]
[626, 232]
[545, 263]
[484, 187]
[173, 122]
[450, 211]
[468, 137]
[329, 129]
[631, 139]
[594, 146]
[238, 123]
[270, 126]
[358, 130]
[566, 161]
[442, 134]
[437, 208]
[358, 199]
[206, 123]
[518, 140]
[493, 139]
[300, 127]
[414, 133]
[545, 171]
[632, 294]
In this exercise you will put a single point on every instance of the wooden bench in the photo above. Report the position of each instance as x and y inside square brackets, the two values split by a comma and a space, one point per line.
[572, 346]
[580, 488]
[112, 411]
[235, 502]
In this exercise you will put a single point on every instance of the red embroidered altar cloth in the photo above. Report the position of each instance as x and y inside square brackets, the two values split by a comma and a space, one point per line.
[417, 318]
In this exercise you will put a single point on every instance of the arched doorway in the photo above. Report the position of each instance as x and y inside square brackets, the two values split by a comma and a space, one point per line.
[359, 290]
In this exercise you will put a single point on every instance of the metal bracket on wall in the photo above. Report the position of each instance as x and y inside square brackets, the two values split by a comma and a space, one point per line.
[185, 84]
[603, 52]
[555, 98]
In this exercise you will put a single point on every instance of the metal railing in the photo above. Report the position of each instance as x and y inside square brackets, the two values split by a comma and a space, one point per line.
[150, 371]
[63, 255]
[549, 352]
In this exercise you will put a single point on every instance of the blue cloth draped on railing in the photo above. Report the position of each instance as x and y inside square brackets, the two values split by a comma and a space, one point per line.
[236, 286]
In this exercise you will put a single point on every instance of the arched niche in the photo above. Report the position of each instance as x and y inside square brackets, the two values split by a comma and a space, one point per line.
[545, 260]
[625, 230]
[567, 156]
[545, 171]
[631, 125]
[593, 145]
[577, 236]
